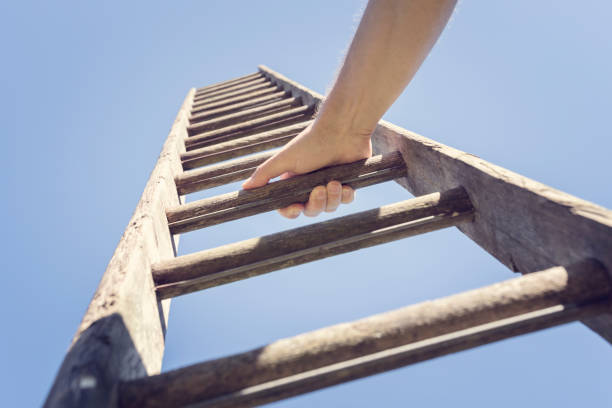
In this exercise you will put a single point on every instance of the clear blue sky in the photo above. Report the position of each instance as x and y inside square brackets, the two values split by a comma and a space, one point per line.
[90, 90]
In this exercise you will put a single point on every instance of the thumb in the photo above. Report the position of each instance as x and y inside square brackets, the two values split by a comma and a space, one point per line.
[273, 167]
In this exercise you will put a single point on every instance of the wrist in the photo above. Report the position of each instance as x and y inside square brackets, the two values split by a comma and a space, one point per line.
[342, 119]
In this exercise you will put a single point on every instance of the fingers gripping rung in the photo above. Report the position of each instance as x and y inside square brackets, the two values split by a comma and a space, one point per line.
[256, 256]
[238, 204]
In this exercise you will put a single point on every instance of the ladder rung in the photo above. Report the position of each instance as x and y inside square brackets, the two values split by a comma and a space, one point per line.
[256, 135]
[243, 203]
[217, 92]
[230, 82]
[238, 107]
[347, 351]
[241, 145]
[260, 255]
[231, 101]
[231, 153]
[247, 125]
[244, 115]
[231, 95]
[217, 175]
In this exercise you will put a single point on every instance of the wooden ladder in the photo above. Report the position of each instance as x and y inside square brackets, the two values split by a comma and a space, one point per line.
[562, 245]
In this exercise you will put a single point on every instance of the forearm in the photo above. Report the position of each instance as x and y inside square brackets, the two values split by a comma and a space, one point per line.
[391, 42]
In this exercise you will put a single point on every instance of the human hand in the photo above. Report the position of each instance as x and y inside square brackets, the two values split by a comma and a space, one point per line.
[315, 147]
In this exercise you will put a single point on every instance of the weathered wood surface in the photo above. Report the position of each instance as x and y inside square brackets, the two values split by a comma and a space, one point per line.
[308, 96]
[230, 153]
[278, 194]
[121, 335]
[213, 113]
[220, 174]
[243, 134]
[229, 82]
[233, 140]
[271, 204]
[245, 259]
[217, 92]
[242, 145]
[216, 181]
[246, 125]
[525, 224]
[230, 95]
[401, 356]
[244, 115]
[234, 100]
[583, 284]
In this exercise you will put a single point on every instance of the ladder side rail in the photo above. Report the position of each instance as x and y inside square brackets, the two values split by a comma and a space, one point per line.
[121, 336]
[424, 330]
[526, 225]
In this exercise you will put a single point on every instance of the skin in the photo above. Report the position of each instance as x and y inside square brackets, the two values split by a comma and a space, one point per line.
[391, 43]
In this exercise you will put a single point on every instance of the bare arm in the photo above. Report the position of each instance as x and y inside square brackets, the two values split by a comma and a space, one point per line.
[391, 42]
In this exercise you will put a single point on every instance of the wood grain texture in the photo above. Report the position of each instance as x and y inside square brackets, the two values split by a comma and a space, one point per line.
[234, 152]
[246, 125]
[241, 146]
[235, 87]
[229, 82]
[245, 259]
[525, 224]
[216, 181]
[234, 213]
[230, 95]
[121, 335]
[237, 107]
[401, 356]
[234, 100]
[309, 97]
[262, 133]
[281, 193]
[220, 174]
[582, 284]
[245, 115]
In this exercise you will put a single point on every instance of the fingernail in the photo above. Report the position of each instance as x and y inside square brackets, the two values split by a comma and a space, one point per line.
[321, 194]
